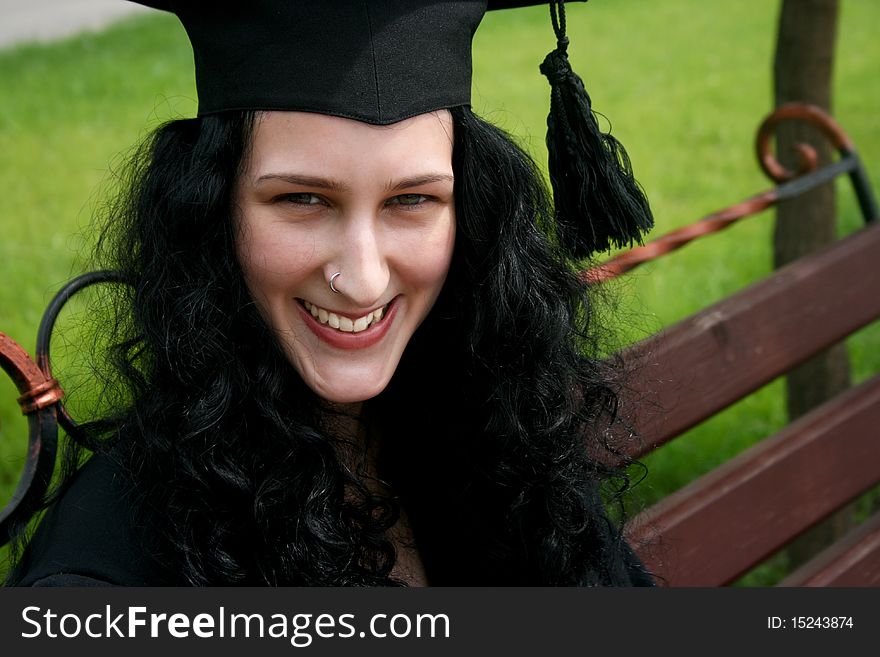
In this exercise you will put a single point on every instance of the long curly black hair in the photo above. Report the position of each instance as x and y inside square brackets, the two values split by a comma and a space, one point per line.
[491, 434]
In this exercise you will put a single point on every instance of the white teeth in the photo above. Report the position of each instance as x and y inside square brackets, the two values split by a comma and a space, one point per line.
[343, 323]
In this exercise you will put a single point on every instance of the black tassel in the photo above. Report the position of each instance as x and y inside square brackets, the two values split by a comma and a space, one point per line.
[598, 202]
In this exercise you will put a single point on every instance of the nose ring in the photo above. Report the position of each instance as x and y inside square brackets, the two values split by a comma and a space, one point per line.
[333, 278]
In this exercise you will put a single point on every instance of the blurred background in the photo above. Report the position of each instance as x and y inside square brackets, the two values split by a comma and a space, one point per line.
[683, 84]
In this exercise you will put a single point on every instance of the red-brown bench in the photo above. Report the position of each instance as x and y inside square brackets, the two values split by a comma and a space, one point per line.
[723, 524]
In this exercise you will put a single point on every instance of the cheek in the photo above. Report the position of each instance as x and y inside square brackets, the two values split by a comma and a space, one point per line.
[272, 259]
[426, 261]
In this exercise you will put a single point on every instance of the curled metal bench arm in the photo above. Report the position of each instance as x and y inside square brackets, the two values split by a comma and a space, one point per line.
[40, 400]
[791, 183]
[47, 325]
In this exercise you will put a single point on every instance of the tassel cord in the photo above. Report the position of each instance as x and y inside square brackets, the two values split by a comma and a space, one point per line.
[557, 17]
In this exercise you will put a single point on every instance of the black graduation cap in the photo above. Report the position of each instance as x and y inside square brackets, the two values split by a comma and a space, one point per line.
[383, 61]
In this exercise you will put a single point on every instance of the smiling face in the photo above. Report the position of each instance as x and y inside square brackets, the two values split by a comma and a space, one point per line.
[321, 195]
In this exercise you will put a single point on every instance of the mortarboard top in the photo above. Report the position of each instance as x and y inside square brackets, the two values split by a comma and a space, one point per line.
[383, 61]
[378, 62]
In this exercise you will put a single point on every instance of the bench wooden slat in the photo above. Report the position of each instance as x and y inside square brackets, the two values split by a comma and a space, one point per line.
[852, 561]
[700, 366]
[726, 522]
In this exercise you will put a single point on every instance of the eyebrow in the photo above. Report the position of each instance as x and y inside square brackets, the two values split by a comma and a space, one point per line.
[338, 186]
[306, 181]
[416, 181]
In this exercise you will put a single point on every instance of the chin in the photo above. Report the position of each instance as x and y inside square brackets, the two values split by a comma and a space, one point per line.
[348, 394]
[345, 377]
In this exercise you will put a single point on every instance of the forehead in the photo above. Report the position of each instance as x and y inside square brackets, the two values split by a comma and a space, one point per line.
[284, 139]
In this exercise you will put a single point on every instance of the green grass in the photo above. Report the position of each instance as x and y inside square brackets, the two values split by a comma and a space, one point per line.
[685, 84]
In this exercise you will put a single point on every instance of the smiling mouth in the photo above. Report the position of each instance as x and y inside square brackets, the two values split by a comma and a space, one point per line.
[342, 323]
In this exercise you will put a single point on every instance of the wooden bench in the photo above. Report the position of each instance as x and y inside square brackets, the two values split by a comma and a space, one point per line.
[723, 524]
[726, 522]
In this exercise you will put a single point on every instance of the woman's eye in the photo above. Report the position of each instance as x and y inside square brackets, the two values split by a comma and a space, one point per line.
[301, 199]
[408, 199]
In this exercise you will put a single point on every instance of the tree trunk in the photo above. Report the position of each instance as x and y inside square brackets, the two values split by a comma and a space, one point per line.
[802, 72]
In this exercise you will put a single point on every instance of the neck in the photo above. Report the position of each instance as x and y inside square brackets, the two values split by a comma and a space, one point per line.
[357, 439]
[358, 443]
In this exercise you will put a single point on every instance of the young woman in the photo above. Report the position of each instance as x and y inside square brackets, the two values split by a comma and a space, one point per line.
[351, 354]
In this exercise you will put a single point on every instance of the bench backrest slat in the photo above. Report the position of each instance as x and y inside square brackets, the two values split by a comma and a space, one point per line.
[707, 362]
[852, 561]
[726, 522]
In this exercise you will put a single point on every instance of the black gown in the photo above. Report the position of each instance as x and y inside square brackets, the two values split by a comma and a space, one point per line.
[90, 537]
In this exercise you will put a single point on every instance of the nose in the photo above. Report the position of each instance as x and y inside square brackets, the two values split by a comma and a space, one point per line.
[363, 264]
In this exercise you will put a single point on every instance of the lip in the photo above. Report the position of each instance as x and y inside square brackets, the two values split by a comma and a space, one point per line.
[341, 340]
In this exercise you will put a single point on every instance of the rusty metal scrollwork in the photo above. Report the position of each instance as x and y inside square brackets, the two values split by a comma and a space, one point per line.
[47, 324]
[792, 183]
[40, 400]
[808, 160]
